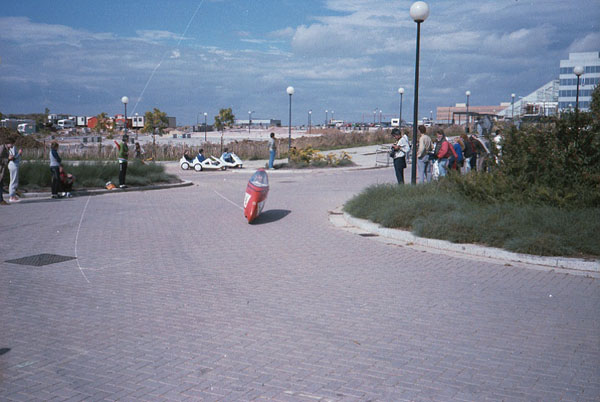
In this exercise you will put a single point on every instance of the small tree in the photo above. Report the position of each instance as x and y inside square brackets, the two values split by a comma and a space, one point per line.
[595, 104]
[224, 120]
[102, 122]
[155, 119]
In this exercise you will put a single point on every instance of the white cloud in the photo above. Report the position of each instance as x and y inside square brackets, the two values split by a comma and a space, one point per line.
[587, 43]
[157, 35]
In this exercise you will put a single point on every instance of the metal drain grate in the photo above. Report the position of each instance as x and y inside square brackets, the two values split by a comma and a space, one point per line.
[41, 259]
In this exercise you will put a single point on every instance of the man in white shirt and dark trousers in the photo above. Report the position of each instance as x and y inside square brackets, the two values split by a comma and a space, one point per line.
[400, 150]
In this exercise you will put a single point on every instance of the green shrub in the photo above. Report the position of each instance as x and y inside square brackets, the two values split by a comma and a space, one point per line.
[36, 175]
[441, 211]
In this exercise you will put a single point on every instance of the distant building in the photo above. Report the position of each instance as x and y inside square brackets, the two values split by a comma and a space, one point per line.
[14, 123]
[137, 121]
[590, 61]
[541, 102]
[457, 114]
[258, 123]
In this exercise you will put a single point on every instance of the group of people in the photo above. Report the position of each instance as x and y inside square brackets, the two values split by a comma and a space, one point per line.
[463, 153]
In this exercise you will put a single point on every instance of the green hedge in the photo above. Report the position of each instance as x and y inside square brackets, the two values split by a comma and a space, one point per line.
[35, 175]
[440, 211]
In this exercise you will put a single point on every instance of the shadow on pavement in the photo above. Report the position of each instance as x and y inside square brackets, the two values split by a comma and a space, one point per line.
[271, 215]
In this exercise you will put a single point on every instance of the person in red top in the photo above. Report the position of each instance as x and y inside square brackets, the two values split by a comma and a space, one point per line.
[442, 151]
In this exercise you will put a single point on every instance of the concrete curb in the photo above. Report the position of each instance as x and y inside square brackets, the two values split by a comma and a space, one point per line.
[578, 264]
[80, 193]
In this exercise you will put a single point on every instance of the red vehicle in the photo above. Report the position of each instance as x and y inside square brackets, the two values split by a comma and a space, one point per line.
[256, 194]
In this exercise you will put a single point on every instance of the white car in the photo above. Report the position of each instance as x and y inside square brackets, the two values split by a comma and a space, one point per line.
[211, 163]
[237, 162]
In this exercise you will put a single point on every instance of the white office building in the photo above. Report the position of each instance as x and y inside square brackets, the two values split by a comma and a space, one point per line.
[590, 61]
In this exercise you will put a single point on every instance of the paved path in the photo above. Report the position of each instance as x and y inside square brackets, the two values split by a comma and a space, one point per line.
[173, 296]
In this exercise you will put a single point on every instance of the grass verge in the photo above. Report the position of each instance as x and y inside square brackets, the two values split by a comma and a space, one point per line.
[437, 211]
[36, 175]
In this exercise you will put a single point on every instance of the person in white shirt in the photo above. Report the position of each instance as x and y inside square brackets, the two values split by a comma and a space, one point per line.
[401, 149]
[14, 158]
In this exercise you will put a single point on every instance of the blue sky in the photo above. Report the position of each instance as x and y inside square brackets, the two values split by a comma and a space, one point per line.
[351, 56]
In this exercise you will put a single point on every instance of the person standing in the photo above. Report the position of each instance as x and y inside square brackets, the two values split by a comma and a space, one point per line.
[3, 167]
[123, 155]
[467, 153]
[423, 162]
[442, 152]
[14, 158]
[55, 162]
[401, 148]
[138, 151]
[272, 150]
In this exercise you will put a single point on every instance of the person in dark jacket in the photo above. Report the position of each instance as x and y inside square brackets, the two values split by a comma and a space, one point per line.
[123, 155]
[3, 168]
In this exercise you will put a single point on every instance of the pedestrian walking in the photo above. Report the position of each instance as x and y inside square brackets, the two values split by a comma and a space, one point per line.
[14, 159]
[423, 159]
[400, 150]
[3, 168]
[55, 163]
[123, 155]
[272, 150]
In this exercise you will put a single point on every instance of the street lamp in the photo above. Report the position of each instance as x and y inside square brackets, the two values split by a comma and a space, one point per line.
[326, 118]
[332, 112]
[249, 121]
[513, 106]
[419, 11]
[468, 93]
[125, 101]
[374, 116]
[578, 71]
[290, 92]
[401, 92]
[205, 114]
[309, 121]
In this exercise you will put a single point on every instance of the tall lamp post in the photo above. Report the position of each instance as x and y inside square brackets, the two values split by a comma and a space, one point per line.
[205, 114]
[419, 11]
[374, 116]
[380, 111]
[332, 112]
[468, 93]
[309, 121]
[401, 92]
[513, 106]
[125, 101]
[249, 121]
[326, 111]
[290, 92]
[578, 71]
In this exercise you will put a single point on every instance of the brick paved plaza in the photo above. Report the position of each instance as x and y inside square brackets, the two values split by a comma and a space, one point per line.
[173, 296]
